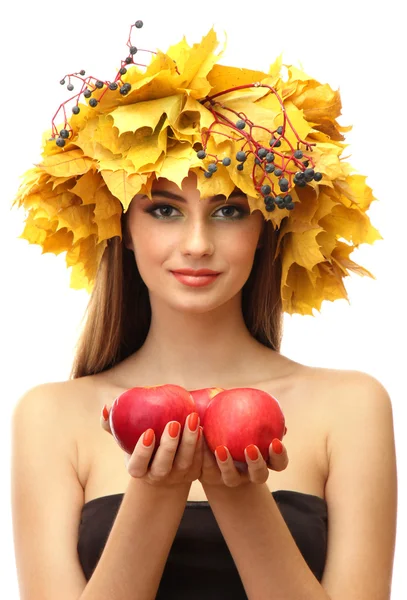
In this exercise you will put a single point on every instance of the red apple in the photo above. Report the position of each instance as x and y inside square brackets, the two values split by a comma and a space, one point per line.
[141, 408]
[202, 398]
[238, 417]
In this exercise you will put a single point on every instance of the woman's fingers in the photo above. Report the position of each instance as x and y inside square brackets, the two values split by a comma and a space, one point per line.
[278, 457]
[230, 475]
[104, 419]
[257, 467]
[137, 462]
[188, 443]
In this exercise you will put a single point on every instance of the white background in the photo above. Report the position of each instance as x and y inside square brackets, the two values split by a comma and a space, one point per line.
[357, 46]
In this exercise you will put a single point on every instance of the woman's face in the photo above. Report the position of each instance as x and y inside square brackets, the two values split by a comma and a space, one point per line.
[177, 230]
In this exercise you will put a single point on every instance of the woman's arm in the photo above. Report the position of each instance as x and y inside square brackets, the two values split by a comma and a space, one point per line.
[361, 494]
[133, 560]
[269, 562]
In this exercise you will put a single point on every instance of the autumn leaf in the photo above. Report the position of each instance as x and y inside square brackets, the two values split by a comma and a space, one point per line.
[66, 164]
[122, 185]
[146, 114]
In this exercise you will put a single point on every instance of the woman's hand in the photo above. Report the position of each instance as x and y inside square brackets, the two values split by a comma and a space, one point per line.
[215, 471]
[175, 462]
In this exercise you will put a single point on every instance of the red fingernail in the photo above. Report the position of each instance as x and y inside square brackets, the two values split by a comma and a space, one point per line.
[252, 452]
[221, 453]
[105, 413]
[173, 429]
[193, 421]
[277, 446]
[148, 437]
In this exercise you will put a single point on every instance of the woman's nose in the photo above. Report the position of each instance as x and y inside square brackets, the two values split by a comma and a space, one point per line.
[197, 239]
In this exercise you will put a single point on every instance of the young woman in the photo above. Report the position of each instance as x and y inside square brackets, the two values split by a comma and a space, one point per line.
[316, 521]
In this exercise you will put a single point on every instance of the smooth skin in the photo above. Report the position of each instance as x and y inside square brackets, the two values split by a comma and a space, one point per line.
[186, 458]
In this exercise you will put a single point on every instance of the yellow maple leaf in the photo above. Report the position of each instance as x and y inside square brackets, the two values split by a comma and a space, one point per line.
[146, 114]
[110, 227]
[58, 242]
[66, 164]
[86, 187]
[148, 147]
[123, 186]
[221, 184]
[79, 220]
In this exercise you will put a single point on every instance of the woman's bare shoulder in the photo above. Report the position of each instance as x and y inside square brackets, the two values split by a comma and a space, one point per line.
[66, 402]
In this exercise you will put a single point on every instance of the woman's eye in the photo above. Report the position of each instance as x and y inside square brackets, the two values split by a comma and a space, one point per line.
[229, 211]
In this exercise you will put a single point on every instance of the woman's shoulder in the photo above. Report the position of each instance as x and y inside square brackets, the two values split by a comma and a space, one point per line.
[66, 403]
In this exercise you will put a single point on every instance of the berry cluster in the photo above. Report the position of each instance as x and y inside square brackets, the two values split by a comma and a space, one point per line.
[288, 168]
[89, 84]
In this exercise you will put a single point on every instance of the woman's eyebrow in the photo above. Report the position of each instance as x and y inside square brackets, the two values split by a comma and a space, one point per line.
[173, 196]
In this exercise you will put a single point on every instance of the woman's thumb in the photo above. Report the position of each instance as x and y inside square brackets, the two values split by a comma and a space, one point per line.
[104, 419]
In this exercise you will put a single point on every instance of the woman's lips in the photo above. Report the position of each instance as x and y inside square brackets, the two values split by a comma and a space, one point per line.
[195, 280]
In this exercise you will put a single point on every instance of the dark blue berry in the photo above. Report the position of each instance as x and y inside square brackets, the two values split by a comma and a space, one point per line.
[317, 176]
[240, 124]
[283, 181]
[226, 161]
[76, 110]
[64, 133]
[123, 71]
[93, 102]
[301, 183]
[124, 90]
[62, 82]
[99, 84]
[87, 93]
[128, 60]
[69, 87]
[257, 161]
[309, 172]
[290, 206]
[278, 172]
[82, 72]
[272, 141]
[113, 86]
[269, 168]
[133, 50]
[139, 24]
[280, 201]
[240, 167]
[280, 130]
[277, 144]
[305, 163]
[262, 153]
[270, 207]
[268, 199]
[288, 198]
[269, 157]
[212, 167]
[265, 189]
[60, 142]
[207, 174]
[241, 156]
[201, 154]
[298, 154]
[299, 176]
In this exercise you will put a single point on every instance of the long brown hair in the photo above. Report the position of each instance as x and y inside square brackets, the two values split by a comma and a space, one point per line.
[118, 314]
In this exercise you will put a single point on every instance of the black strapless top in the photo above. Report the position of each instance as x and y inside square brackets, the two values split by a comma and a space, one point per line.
[199, 565]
